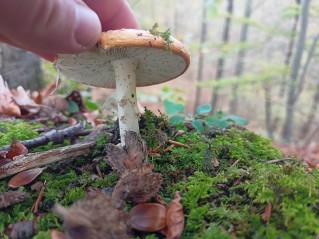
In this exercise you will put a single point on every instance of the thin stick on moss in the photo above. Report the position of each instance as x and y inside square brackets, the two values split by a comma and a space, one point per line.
[55, 136]
[32, 160]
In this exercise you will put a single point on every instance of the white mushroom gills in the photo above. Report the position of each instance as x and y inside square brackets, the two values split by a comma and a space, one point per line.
[125, 78]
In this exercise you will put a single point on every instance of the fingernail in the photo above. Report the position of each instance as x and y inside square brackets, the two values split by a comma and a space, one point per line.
[88, 27]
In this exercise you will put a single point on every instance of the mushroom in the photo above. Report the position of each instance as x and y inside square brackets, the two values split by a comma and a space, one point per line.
[125, 59]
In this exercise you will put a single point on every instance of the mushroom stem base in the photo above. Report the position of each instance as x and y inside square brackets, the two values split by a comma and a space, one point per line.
[125, 75]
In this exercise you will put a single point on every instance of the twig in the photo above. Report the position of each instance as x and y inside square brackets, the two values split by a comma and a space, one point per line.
[278, 160]
[178, 143]
[27, 161]
[56, 136]
[35, 205]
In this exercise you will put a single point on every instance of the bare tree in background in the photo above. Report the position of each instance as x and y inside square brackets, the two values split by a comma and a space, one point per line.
[221, 58]
[19, 67]
[203, 36]
[239, 67]
[315, 101]
[294, 87]
[291, 44]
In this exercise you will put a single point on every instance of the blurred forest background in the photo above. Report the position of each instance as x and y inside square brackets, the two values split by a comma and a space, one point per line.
[257, 59]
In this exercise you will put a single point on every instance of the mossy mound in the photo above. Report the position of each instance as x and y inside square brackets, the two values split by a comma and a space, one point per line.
[223, 176]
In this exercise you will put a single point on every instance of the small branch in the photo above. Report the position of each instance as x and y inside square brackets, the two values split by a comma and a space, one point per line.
[278, 160]
[56, 136]
[27, 161]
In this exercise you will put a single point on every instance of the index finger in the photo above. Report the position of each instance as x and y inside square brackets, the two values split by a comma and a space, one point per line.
[113, 14]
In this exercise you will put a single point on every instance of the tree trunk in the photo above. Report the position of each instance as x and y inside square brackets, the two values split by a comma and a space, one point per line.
[293, 92]
[268, 112]
[200, 68]
[291, 43]
[221, 58]
[240, 58]
[19, 67]
[311, 115]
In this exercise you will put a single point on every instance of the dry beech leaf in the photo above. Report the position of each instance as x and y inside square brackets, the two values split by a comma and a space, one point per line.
[175, 218]
[16, 149]
[55, 234]
[9, 198]
[148, 217]
[25, 102]
[7, 104]
[24, 177]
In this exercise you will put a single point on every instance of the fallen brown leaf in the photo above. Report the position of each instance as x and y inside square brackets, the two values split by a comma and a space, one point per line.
[175, 218]
[24, 177]
[7, 105]
[25, 102]
[16, 148]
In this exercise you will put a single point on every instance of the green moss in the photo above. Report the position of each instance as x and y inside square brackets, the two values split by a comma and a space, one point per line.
[17, 129]
[48, 221]
[220, 201]
[100, 145]
[42, 235]
[107, 181]
[152, 128]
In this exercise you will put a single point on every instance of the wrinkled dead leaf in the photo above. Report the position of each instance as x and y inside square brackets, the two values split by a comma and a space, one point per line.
[25, 102]
[175, 218]
[16, 149]
[24, 177]
[7, 105]
[9, 198]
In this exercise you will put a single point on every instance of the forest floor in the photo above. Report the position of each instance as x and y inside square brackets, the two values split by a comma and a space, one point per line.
[173, 181]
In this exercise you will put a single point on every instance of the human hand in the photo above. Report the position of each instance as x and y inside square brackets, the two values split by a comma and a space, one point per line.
[61, 26]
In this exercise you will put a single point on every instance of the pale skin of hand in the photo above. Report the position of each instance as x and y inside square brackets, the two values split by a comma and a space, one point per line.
[50, 27]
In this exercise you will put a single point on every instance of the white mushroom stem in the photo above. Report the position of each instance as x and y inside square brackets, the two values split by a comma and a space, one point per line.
[125, 77]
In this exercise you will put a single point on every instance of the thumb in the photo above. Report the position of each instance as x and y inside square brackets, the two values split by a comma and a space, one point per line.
[50, 26]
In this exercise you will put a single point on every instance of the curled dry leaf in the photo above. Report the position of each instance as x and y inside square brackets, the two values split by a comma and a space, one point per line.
[175, 218]
[7, 105]
[16, 148]
[24, 177]
[55, 234]
[25, 102]
[9, 198]
[148, 217]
